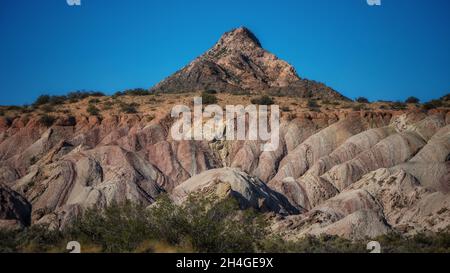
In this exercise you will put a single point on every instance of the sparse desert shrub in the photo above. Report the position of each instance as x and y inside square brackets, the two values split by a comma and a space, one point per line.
[154, 100]
[92, 110]
[33, 160]
[399, 106]
[328, 102]
[129, 108]
[9, 121]
[357, 107]
[285, 109]
[42, 99]
[94, 101]
[27, 109]
[211, 226]
[215, 231]
[211, 91]
[118, 94]
[13, 108]
[79, 95]
[420, 243]
[208, 226]
[2, 113]
[150, 117]
[433, 104]
[40, 238]
[312, 104]
[204, 224]
[263, 100]
[362, 100]
[169, 221]
[208, 98]
[312, 244]
[412, 100]
[47, 120]
[57, 100]
[118, 228]
[107, 105]
[133, 92]
[72, 97]
[47, 108]
[291, 116]
[8, 241]
[240, 93]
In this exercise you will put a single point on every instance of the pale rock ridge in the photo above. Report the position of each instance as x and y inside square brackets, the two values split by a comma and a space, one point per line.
[249, 191]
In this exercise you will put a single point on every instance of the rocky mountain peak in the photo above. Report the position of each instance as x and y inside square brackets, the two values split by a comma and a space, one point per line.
[238, 63]
[238, 37]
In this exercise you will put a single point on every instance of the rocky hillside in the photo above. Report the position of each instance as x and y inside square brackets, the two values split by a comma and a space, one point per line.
[343, 168]
[238, 63]
[353, 173]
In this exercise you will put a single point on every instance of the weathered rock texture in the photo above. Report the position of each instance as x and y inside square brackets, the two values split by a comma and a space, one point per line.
[228, 182]
[15, 211]
[352, 174]
[238, 63]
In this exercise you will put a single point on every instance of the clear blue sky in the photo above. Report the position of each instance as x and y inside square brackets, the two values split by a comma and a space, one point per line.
[390, 52]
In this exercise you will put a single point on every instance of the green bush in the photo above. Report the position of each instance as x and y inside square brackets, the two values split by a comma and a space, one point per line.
[108, 105]
[204, 224]
[92, 110]
[79, 95]
[118, 228]
[285, 109]
[132, 92]
[129, 108]
[263, 100]
[357, 107]
[399, 106]
[47, 120]
[42, 99]
[312, 104]
[222, 227]
[433, 104]
[71, 97]
[8, 241]
[311, 244]
[420, 243]
[211, 91]
[412, 100]
[13, 108]
[208, 98]
[57, 100]
[47, 108]
[362, 100]
[209, 226]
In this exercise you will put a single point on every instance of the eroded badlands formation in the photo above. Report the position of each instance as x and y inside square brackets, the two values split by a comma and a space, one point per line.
[356, 174]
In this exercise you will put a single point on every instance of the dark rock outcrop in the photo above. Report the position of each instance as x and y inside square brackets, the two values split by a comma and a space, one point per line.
[15, 210]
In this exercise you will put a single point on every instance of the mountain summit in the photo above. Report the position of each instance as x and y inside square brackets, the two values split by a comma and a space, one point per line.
[238, 63]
